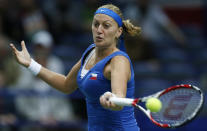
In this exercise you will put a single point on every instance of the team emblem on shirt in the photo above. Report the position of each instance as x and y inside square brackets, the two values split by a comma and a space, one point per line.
[93, 76]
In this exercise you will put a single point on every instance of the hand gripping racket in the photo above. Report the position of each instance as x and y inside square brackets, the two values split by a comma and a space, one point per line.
[180, 104]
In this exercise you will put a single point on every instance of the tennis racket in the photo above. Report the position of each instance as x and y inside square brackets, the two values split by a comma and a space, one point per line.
[180, 104]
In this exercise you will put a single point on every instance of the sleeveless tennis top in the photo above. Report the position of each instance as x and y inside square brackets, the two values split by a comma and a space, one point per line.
[93, 84]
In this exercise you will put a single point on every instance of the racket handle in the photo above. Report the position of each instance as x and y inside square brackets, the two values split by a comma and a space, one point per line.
[122, 101]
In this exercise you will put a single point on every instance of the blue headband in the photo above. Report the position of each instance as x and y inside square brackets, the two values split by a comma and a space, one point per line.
[110, 13]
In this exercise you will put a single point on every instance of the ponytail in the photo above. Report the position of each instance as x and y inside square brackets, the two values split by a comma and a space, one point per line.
[131, 29]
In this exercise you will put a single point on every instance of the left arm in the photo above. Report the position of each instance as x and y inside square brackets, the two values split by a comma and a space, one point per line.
[120, 74]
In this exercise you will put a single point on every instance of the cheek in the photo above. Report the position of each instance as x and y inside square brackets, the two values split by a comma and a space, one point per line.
[93, 32]
[92, 29]
[111, 35]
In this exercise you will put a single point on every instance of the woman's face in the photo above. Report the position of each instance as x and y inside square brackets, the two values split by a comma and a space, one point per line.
[105, 30]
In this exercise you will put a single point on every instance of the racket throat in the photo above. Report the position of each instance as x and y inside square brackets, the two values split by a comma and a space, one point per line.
[135, 101]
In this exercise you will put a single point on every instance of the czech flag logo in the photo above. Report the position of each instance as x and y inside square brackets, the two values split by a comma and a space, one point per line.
[93, 76]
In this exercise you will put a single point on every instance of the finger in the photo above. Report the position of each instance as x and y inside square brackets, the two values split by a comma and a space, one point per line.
[112, 104]
[102, 100]
[106, 101]
[107, 95]
[23, 45]
[108, 104]
[13, 48]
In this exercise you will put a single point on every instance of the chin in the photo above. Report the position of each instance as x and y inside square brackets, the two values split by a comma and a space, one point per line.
[100, 44]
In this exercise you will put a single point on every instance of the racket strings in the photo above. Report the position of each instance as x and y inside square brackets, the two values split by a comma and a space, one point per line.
[178, 106]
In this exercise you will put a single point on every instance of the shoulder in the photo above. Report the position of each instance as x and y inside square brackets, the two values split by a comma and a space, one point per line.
[121, 55]
[120, 61]
[118, 64]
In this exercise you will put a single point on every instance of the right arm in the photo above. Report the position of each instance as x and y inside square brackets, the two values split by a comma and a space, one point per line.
[65, 84]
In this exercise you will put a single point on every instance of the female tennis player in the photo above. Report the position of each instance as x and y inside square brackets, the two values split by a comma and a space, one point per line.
[102, 72]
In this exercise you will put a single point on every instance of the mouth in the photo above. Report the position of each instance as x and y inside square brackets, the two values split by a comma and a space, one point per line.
[98, 38]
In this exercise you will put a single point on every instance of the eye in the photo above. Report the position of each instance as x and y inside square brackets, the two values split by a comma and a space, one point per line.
[106, 25]
[95, 24]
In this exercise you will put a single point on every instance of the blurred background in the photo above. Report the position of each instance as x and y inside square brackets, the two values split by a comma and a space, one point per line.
[172, 49]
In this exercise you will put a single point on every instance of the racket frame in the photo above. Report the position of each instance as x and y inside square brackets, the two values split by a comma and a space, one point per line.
[134, 103]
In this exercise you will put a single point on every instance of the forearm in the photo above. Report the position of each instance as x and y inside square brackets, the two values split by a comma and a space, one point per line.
[66, 84]
[55, 80]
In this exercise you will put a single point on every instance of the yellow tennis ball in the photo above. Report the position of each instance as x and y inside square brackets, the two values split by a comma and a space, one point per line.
[153, 104]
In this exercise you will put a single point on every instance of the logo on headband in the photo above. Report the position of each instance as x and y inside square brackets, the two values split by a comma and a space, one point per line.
[110, 13]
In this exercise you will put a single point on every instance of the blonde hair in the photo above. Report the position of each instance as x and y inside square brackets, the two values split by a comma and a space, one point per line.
[128, 27]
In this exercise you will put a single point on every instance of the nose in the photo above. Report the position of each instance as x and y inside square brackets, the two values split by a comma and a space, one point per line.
[99, 29]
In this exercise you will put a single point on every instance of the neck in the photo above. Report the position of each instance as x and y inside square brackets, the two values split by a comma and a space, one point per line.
[102, 52]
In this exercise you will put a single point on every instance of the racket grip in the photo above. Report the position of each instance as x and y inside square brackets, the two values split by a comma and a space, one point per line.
[122, 101]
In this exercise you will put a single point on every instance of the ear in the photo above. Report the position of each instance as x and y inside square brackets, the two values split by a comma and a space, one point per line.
[119, 32]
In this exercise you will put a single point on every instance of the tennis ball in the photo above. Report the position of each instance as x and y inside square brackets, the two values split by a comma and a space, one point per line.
[153, 104]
